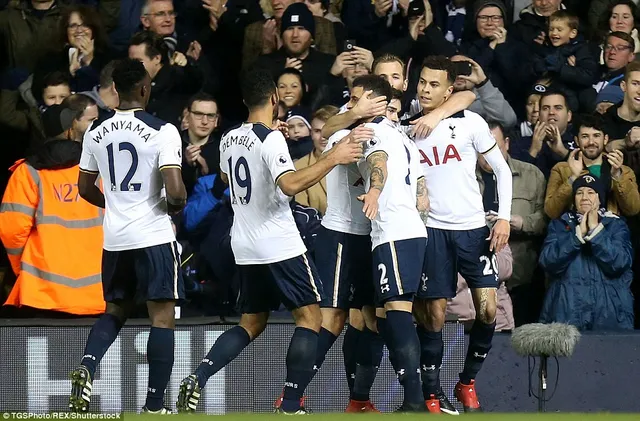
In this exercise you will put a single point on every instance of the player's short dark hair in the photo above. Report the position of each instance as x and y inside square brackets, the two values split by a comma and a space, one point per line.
[592, 121]
[154, 44]
[396, 94]
[127, 75]
[573, 22]
[257, 87]
[106, 74]
[378, 85]
[201, 97]
[77, 103]
[441, 63]
[389, 58]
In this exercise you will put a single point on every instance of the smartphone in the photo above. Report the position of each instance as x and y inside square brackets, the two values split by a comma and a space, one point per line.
[349, 44]
[72, 51]
[463, 68]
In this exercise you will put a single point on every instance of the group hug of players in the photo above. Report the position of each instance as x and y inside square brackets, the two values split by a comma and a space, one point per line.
[404, 217]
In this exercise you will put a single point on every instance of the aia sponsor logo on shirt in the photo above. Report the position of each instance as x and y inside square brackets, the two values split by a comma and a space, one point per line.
[435, 156]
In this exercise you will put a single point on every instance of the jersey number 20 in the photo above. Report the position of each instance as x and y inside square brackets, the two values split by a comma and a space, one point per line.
[241, 178]
[125, 184]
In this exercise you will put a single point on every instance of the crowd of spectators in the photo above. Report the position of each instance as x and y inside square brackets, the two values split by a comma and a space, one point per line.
[558, 82]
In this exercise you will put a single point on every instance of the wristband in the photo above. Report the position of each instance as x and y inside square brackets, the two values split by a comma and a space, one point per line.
[481, 84]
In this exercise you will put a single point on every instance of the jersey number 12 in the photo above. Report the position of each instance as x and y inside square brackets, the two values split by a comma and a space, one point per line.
[125, 184]
[242, 179]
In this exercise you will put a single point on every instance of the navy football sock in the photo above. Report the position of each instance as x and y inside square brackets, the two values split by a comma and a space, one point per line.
[480, 339]
[226, 348]
[404, 345]
[160, 358]
[325, 342]
[349, 347]
[300, 359]
[382, 324]
[103, 333]
[369, 357]
[431, 350]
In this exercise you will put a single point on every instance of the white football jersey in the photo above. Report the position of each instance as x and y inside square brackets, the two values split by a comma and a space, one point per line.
[344, 185]
[128, 149]
[254, 157]
[398, 218]
[448, 157]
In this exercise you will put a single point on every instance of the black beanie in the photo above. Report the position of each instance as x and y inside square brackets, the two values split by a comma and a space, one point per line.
[57, 120]
[486, 3]
[594, 183]
[298, 14]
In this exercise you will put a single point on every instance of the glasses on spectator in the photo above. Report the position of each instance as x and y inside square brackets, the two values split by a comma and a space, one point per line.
[76, 26]
[618, 48]
[492, 18]
[171, 14]
[199, 115]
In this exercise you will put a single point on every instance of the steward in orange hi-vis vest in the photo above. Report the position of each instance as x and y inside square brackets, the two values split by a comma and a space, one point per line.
[53, 237]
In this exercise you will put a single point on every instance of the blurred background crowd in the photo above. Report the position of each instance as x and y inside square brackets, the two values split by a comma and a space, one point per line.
[557, 81]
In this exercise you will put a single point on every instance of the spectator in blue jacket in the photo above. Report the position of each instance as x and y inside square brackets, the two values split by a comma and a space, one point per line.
[588, 255]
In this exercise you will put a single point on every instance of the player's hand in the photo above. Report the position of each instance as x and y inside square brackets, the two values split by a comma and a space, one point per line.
[423, 126]
[191, 154]
[360, 134]
[491, 217]
[499, 235]
[370, 200]
[576, 165]
[369, 107]
[615, 158]
[346, 151]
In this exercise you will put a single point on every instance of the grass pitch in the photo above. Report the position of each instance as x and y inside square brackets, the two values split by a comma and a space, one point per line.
[399, 417]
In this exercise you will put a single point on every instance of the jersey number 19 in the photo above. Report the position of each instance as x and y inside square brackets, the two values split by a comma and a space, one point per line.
[241, 175]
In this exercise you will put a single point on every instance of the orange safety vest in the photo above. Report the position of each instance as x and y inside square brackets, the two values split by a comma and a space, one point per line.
[54, 241]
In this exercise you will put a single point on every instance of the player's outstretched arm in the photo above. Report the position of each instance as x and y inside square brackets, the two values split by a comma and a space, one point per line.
[422, 200]
[378, 166]
[459, 101]
[347, 151]
[176, 191]
[88, 189]
[365, 107]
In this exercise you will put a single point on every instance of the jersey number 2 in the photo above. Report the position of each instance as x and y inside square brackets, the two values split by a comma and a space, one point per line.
[242, 179]
[125, 184]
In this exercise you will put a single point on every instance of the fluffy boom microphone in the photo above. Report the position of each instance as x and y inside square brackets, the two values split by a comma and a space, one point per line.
[550, 340]
[544, 341]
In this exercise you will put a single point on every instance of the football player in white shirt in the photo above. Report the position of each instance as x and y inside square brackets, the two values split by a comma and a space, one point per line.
[393, 180]
[272, 259]
[138, 157]
[459, 239]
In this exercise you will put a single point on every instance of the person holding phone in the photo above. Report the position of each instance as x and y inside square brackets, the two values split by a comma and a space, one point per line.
[490, 102]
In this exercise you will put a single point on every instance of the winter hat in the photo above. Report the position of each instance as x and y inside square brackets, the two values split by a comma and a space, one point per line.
[593, 182]
[538, 89]
[299, 112]
[495, 3]
[298, 14]
[611, 93]
[57, 120]
[416, 8]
